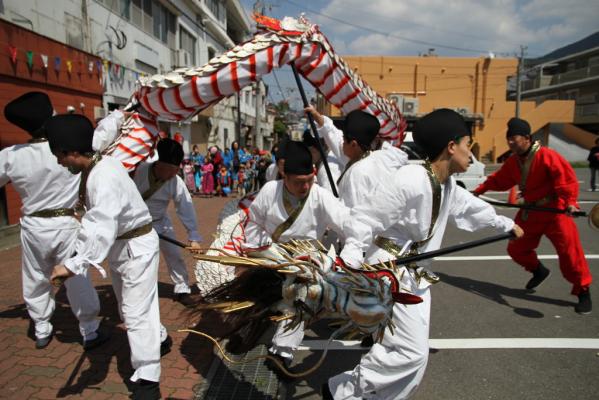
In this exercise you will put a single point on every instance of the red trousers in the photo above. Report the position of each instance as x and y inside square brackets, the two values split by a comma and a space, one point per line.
[563, 234]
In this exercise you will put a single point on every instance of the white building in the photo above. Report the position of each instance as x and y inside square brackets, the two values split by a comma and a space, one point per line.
[136, 37]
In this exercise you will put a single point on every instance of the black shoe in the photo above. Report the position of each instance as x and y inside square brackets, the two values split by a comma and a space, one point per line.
[100, 339]
[367, 341]
[584, 305]
[538, 276]
[325, 392]
[271, 365]
[146, 390]
[165, 346]
[43, 342]
[186, 299]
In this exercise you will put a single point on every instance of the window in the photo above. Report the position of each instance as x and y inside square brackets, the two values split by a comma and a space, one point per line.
[214, 6]
[211, 53]
[119, 7]
[188, 43]
[154, 18]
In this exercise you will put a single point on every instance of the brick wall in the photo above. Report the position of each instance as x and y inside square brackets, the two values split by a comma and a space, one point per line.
[75, 88]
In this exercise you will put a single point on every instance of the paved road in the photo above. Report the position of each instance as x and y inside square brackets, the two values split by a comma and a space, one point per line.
[485, 299]
[476, 299]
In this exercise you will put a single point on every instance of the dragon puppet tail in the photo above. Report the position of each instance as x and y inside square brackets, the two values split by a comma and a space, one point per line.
[243, 307]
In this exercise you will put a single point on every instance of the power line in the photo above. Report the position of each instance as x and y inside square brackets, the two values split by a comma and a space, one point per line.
[407, 39]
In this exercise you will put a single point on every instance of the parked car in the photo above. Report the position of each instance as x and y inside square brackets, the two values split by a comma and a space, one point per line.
[474, 176]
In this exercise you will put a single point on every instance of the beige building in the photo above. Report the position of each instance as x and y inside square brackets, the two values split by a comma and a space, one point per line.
[475, 87]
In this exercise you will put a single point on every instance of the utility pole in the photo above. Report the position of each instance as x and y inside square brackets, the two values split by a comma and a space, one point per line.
[257, 142]
[518, 78]
[240, 139]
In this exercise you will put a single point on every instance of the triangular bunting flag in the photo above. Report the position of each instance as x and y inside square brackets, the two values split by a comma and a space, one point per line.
[44, 60]
[12, 51]
[69, 66]
[29, 59]
[57, 63]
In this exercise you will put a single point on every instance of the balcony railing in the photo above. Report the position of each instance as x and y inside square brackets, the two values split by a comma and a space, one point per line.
[587, 110]
[558, 79]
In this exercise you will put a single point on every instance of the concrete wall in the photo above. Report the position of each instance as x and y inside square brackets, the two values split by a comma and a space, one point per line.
[478, 85]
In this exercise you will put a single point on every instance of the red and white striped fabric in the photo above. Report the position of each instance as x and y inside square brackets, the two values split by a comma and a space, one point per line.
[139, 135]
[180, 94]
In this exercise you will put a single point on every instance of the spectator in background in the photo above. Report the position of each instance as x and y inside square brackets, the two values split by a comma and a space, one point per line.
[223, 179]
[217, 160]
[197, 159]
[188, 174]
[594, 163]
[241, 180]
[207, 178]
[227, 159]
[261, 176]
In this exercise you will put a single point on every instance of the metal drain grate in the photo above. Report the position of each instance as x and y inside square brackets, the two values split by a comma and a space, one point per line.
[247, 381]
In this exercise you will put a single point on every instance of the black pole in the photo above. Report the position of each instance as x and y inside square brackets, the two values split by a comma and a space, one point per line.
[534, 208]
[314, 131]
[457, 247]
[173, 241]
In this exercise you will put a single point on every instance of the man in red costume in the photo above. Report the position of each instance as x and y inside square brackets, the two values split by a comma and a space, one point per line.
[545, 179]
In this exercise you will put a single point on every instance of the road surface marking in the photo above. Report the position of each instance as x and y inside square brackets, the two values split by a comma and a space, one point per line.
[479, 343]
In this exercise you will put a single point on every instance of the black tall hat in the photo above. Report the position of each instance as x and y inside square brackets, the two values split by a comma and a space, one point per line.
[435, 130]
[281, 152]
[70, 132]
[361, 127]
[517, 126]
[298, 160]
[29, 112]
[170, 151]
[308, 139]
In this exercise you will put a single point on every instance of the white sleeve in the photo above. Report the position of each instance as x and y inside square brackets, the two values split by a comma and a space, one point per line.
[255, 234]
[470, 213]
[333, 137]
[99, 227]
[4, 178]
[107, 130]
[378, 211]
[185, 210]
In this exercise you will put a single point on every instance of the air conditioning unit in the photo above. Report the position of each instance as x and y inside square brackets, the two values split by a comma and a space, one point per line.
[463, 110]
[184, 58]
[410, 106]
[397, 99]
[99, 112]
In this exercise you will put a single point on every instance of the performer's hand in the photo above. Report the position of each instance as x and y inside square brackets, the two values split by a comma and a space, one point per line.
[60, 273]
[475, 193]
[318, 118]
[571, 209]
[518, 232]
[195, 245]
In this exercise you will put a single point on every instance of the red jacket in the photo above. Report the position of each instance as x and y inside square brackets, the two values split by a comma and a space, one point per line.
[549, 175]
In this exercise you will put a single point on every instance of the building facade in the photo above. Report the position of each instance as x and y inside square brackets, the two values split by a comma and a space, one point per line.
[474, 87]
[146, 37]
[30, 62]
[573, 77]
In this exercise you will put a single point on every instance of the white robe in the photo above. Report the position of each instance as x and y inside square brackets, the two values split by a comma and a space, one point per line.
[43, 184]
[335, 167]
[272, 171]
[401, 211]
[114, 207]
[174, 189]
[363, 176]
[321, 209]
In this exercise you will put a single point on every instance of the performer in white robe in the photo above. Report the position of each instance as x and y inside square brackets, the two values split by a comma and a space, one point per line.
[158, 184]
[412, 211]
[116, 226]
[361, 167]
[295, 208]
[273, 171]
[48, 226]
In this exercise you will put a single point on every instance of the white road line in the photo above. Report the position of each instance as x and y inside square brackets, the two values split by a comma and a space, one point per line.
[487, 258]
[484, 343]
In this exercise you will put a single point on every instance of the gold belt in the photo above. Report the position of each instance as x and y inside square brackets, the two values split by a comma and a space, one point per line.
[541, 202]
[136, 232]
[392, 248]
[59, 212]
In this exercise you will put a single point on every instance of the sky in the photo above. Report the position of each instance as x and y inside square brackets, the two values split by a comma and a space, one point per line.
[457, 28]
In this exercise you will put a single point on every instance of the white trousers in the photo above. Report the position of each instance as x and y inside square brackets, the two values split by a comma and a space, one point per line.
[134, 273]
[393, 369]
[45, 243]
[284, 343]
[172, 255]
